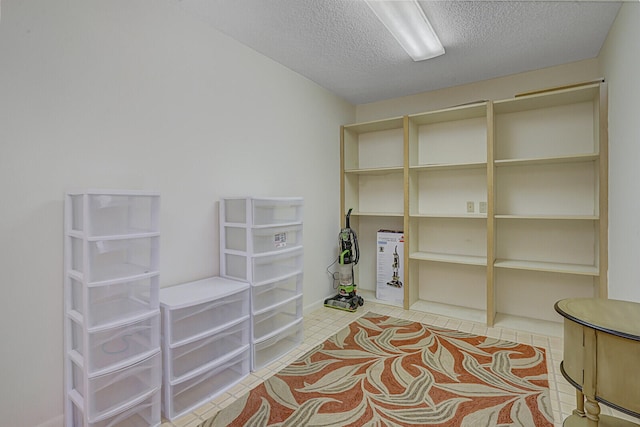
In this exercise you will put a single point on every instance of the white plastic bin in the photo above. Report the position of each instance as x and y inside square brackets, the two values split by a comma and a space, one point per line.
[110, 260]
[114, 347]
[144, 414]
[198, 320]
[115, 302]
[263, 268]
[111, 394]
[114, 214]
[272, 348]
[266, 268]
[185, 395]
[207, 351]
[263, 240]
[277, 317]
[193, 310]
[262, 211]
[270, 293]
[277, 211]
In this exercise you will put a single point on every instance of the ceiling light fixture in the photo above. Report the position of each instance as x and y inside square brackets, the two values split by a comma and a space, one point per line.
[409, 25]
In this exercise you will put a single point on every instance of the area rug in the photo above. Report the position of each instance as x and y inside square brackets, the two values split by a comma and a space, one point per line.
[382, 371]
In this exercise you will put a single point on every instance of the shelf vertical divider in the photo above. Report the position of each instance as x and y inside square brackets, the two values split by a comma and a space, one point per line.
[603, 202]
[342, 179]
[491, 224]
[410, 295]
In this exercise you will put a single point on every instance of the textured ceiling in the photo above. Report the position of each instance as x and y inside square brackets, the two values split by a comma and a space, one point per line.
[340, 44]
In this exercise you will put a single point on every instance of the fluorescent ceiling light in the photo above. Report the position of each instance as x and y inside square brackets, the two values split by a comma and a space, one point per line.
[409, 25]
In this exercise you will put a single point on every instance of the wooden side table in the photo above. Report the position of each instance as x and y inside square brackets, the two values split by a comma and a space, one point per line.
[601, 359]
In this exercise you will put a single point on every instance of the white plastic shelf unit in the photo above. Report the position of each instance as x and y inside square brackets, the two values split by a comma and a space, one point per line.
[205, 339]
[261, 243]
[112, 363]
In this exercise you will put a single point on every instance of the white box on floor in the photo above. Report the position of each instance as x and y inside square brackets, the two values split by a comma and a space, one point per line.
[390, 266]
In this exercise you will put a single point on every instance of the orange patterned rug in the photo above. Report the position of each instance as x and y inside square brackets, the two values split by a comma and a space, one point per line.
[382, 371]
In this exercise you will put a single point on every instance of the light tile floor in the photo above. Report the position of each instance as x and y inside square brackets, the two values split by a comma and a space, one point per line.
[324, 322]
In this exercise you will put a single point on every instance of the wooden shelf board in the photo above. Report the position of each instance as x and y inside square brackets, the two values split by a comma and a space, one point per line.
[548, 99]
[547, 217]
[448, 166]
[377, 125]
[585, 270]
[449, 258]
[449, 215]
[452, 114]
[393, 214]
[375, 171]
[578, 158]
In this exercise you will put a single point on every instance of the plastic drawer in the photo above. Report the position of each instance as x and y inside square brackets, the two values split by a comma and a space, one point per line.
[187, 358]
[113, 303]
[117, 346]
[278, 317]
[263, 211]
[264, 268]
[114, 214]
[144, 414]
[192, 322]
[117, 259]
[270, 349]
[268, 294]
[111, 394]
[263, 240]
[185, 395]
[277, 211]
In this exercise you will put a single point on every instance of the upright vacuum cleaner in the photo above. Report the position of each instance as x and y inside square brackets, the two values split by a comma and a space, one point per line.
[347, 297]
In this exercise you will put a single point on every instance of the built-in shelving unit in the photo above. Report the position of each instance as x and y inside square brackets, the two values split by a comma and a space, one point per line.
[503, 203]
[373, 165]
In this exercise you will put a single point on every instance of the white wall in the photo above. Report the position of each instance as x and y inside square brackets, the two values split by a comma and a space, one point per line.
[621, 67]
[134, 94]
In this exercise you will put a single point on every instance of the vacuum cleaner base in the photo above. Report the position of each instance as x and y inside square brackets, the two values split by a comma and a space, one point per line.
[344, 302]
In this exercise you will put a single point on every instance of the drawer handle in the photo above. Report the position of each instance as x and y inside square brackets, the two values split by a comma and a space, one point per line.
[125, 346]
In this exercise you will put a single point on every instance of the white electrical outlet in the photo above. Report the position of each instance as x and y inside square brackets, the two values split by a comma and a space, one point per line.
[470, 207]
[482, 206]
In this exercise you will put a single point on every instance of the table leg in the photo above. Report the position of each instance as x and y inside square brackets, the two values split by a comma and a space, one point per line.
[579, 411]
[592, 411]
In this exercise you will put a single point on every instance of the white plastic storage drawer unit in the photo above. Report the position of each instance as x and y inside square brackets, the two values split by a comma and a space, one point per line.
[111, 394]
[112, 364]
[206, 337]
[109, 304]
[196, 309]
[110, 259]
[278, 317]
[258, 240]
[144, 414]
[115, 347]
[276, 345]
[184, 395]
[262, 211]
[262, 268]
[261, 243]
[268, 294]
[208, 351]
[107, 213]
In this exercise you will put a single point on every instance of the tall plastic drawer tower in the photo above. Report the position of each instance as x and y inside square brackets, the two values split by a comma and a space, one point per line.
[261, 243]
[112, 361]
[205, 341]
